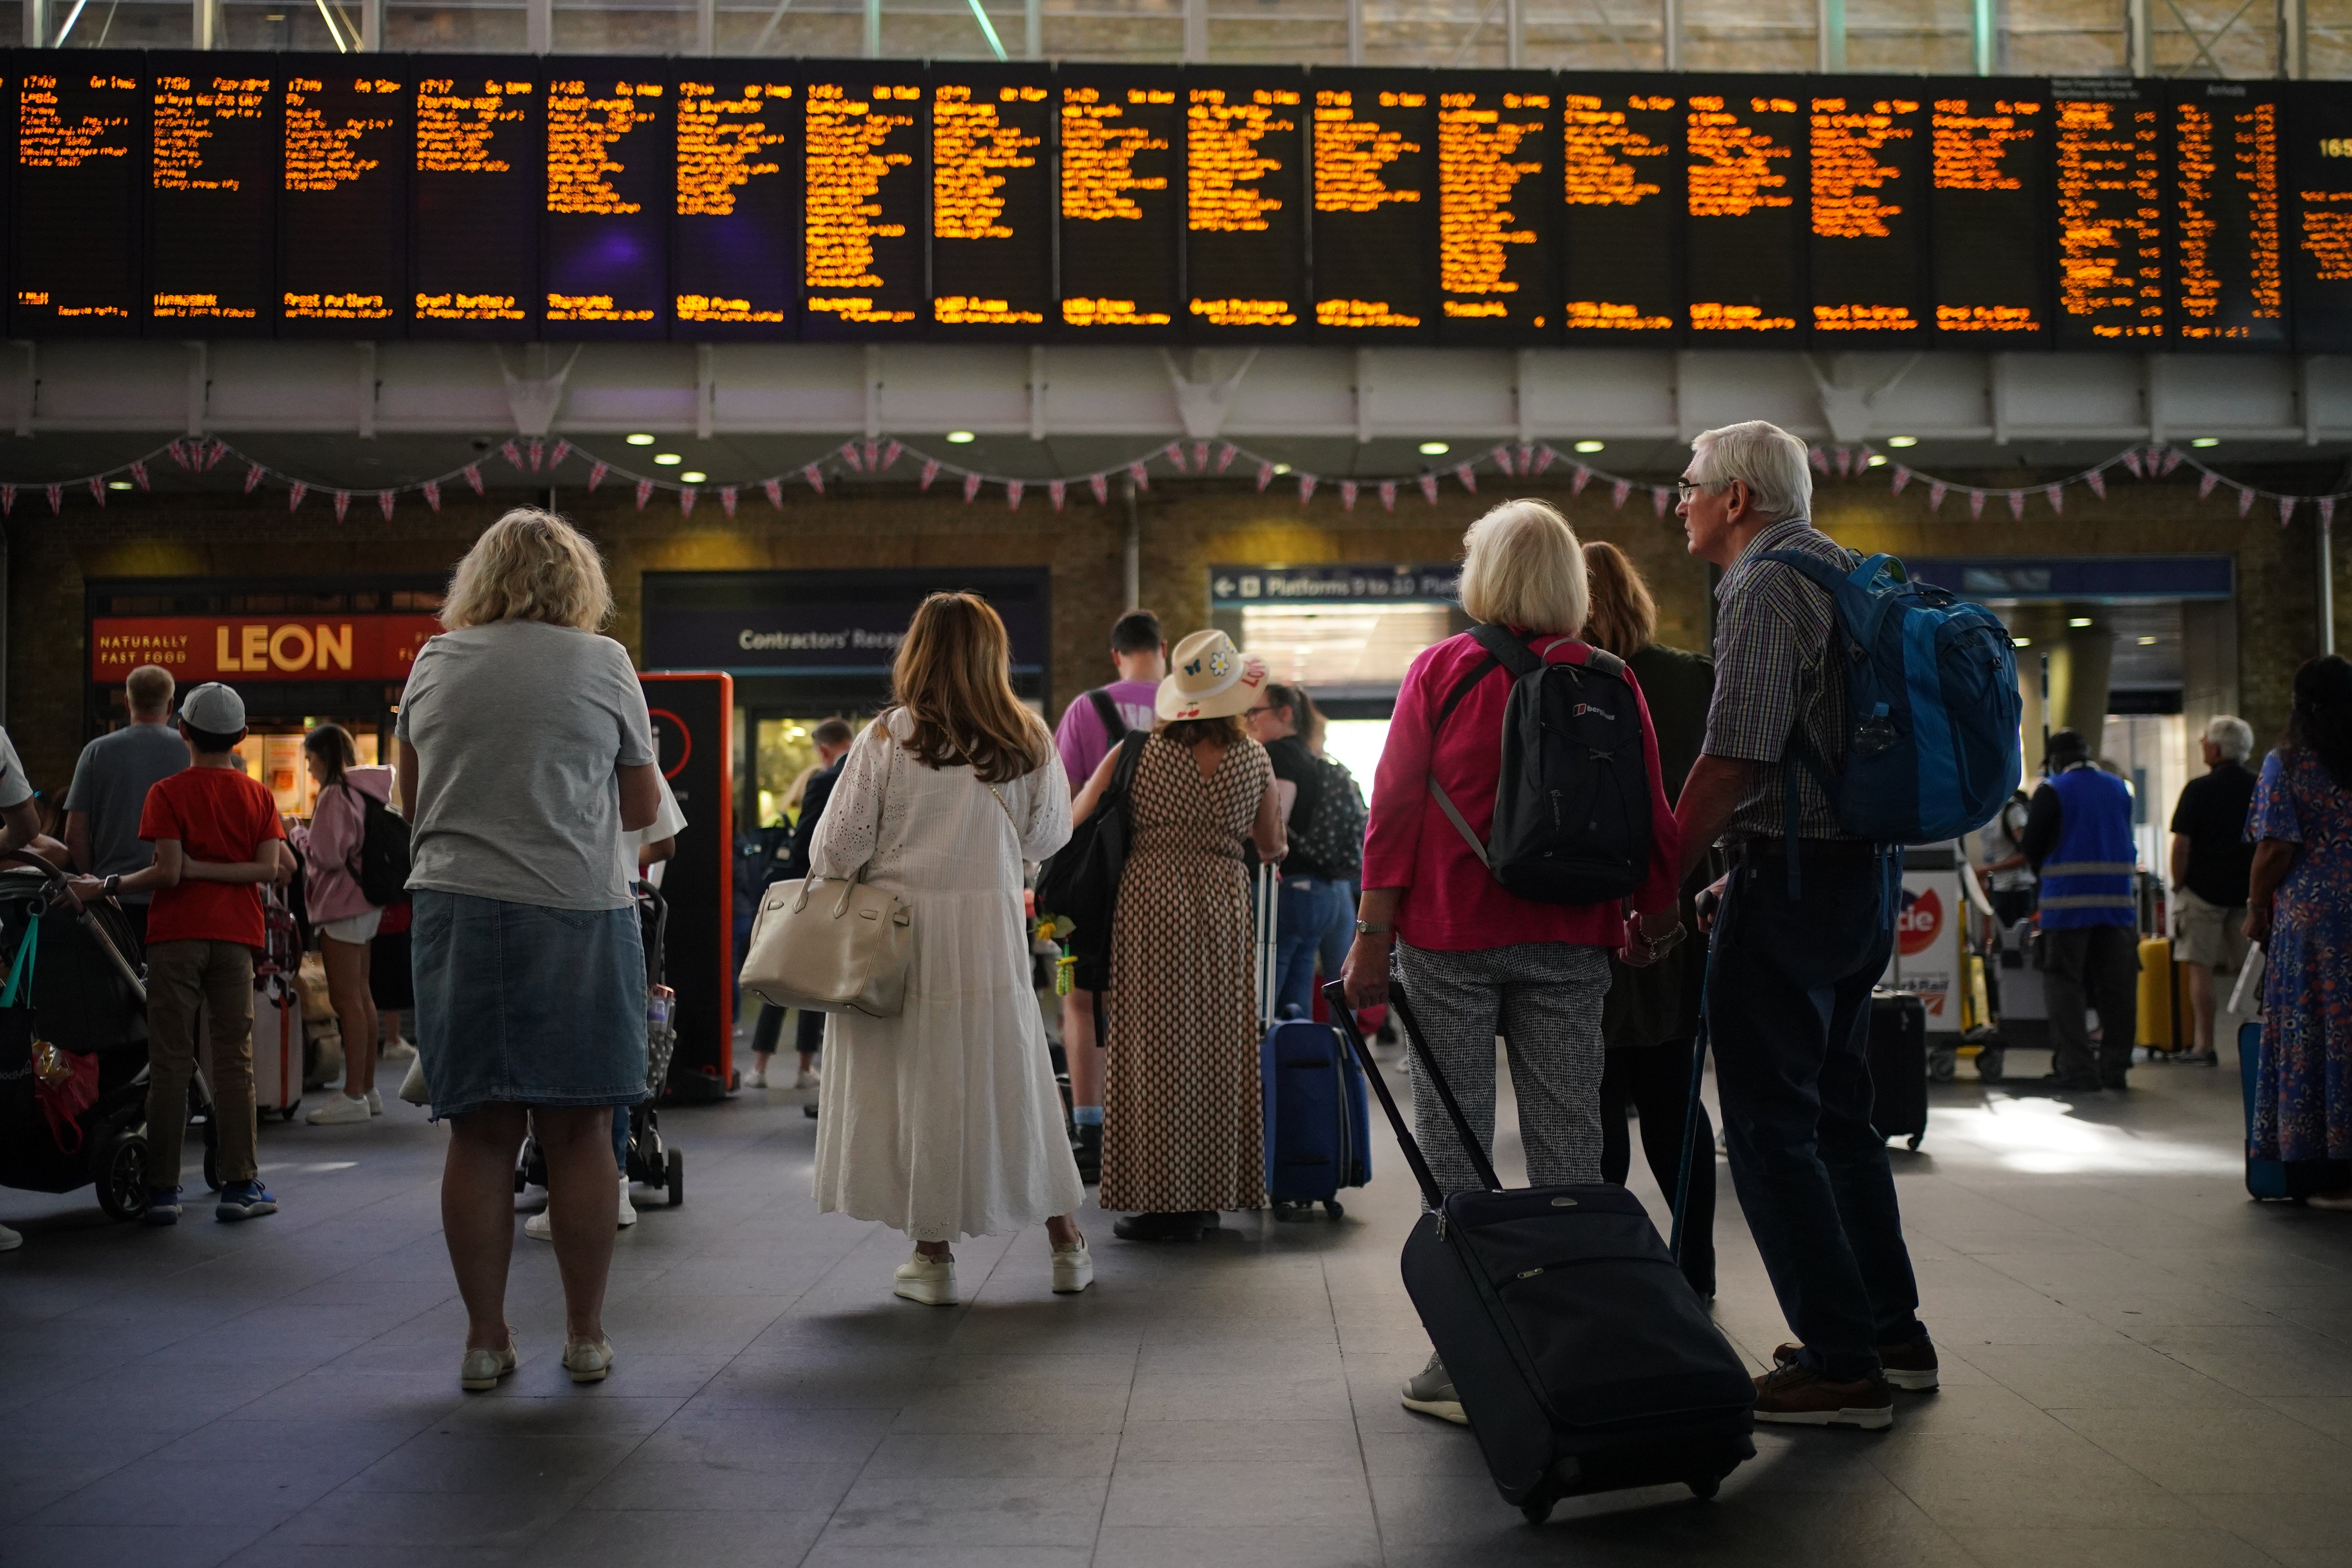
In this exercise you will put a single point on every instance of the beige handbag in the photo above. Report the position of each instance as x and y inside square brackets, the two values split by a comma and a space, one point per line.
[839, 947]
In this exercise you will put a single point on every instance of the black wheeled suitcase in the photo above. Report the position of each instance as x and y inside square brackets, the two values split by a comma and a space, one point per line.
[1897, 1049]
[1582, 1358]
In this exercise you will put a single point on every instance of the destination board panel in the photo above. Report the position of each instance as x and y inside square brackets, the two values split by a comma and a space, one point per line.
[2229, 274]
[735, 236]
[1497, 244]
[2319, 220]
[1120, 189]
[1246, 229]
[214, 153]
[348, 141]
[1868, 152]
[866, 136]
[1622, 225]
[1988, 144]
[80, 182]
[480, 153]
[1745, 157]
[1374, 173]
[610, 136]
[992, 200]
[2108, 175]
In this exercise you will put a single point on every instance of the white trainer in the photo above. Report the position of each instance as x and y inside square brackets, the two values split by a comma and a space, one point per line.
[805, 1078]
[340, 1112]
[538, 1228]
[588, 1362]
[930, 1280]
[1073, 1268]
[396, 1049]
[10, 1240]
[375, 1102]
[628, 1209]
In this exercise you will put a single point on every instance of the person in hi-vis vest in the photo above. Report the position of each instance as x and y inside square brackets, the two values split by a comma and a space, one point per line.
[2078, 837]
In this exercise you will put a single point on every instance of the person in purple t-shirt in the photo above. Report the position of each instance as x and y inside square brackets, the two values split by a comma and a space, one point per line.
[1087, 732]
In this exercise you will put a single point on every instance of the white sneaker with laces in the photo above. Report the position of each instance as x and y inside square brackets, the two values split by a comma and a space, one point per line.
[538, 1228]
[396, 1049]
[758, 1079]
[10, 1240]
[375, 1102]
[340, 1112]
[930, 1280]
[805, 1078]
[628, 1209]
[1073, 1268]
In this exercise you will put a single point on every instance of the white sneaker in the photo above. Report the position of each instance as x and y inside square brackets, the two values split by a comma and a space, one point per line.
[628, 1209]
[340, 1112]
[10, 1240]
[929, 1280]
[1073, 1268]
[396, 1049]
[804, 1079]
[375, 1102]
[538, 1228]
[759, 1079]
[532, 1198]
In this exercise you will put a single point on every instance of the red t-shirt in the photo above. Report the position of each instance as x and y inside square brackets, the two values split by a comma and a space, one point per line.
[218, 815]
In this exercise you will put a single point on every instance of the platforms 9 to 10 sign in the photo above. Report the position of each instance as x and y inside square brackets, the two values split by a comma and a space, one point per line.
[390, 195]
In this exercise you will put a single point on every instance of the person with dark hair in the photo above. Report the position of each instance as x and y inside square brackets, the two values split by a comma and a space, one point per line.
[345, 921]
[832, 739]
[2299, 907]
[2078, 839]
[1316, 909]
[110, 783]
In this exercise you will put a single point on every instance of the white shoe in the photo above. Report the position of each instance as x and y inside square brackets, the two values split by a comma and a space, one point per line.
[1073, 1268]
[759, 1079]
[375, 1102]
[10, 1240]
[538, 1228]
[805, 1078]
[532, 1198]
[340, 1112]
[396, 1049]
[628, 1209]
[589, 1363]
[929, 1280]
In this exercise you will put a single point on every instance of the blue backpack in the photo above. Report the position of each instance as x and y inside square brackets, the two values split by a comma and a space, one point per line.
[1932, 705]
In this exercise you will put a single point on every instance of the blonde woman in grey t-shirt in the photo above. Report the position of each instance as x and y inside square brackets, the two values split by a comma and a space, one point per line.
[525, 754]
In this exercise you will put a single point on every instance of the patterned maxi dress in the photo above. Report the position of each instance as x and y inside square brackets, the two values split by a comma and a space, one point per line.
[1183, 1125]
[2303, 1099]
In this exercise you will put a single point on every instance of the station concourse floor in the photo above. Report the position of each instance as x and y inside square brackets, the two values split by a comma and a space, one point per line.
[2141, 1368]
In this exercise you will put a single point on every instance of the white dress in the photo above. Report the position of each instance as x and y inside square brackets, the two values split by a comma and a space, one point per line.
[944, 1122]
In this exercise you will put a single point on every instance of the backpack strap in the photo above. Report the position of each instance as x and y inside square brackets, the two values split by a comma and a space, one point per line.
[1114, 723]
[1122, 772]
[1505, 651]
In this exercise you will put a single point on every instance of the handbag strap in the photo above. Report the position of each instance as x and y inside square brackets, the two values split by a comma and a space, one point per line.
[20, 973]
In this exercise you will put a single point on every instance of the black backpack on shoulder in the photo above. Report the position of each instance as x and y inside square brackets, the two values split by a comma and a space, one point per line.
[1572, 807]
[380, 862]
[1080, 882]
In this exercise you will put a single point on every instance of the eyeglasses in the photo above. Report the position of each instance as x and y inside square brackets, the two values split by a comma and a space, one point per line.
[1686, 489]
[1254, 712]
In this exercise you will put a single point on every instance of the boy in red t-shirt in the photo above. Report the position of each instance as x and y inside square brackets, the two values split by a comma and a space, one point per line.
[216, 837]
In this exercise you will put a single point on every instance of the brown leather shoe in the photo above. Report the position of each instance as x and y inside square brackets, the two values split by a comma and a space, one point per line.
[1911, 1366]
[1796, 1395]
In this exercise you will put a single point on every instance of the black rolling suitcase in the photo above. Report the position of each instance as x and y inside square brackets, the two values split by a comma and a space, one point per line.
[1582, 1358]
[1897, 1049]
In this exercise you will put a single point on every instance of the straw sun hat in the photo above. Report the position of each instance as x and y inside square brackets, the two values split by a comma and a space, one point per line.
[1210, 679]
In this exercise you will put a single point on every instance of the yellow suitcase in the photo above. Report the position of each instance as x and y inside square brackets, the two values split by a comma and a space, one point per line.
[2159, 1030]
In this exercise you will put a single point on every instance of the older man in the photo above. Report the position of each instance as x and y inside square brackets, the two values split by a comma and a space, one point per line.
[2211, 860]
[1802, 933]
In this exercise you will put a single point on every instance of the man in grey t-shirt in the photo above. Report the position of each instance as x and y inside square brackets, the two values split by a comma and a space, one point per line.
[111, 780]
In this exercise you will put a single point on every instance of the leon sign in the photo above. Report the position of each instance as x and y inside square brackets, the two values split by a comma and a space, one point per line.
[246, 648]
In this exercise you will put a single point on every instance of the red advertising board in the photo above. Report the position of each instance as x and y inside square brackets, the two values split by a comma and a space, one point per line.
[239, 648]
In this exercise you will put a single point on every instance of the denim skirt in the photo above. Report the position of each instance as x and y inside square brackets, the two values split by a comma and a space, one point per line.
[527, 1005]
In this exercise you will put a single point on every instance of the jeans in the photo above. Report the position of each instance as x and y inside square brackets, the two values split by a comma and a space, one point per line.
[1655, 1081]
[180, 976]
[2092, 969]
[1315, 917]
[1789, 1011]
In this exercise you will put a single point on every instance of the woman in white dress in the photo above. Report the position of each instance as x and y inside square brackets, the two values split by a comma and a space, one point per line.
[945, 1121]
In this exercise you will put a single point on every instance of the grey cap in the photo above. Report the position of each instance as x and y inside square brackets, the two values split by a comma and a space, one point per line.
[212, 708]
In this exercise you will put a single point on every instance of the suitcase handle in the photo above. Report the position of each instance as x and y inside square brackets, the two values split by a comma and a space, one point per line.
[1479, 1162]
[1336, 995]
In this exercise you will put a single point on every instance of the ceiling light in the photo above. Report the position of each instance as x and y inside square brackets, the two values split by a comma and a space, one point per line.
[2079, 622]
[1434, 449]
[1903, 440]
[667, 458]
[641, 440]
[694, 476]
[1877, 461]
[2206, 441]
[2021, 642]
[960, 438]
[2148, 642]
[1282, 467]
[1591, 446]
[118, 484]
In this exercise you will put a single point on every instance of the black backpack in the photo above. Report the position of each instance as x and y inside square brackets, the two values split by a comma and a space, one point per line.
[1080, 882]
[1333, 834]
[380, 863]
[1572, 807]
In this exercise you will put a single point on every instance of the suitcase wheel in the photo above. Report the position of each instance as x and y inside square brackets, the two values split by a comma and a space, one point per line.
[1331, 1207]
[1538, 1504]
[1291, 1214]
[1912, 1142]
[673, 1178]
[1704, 1487]
[287, 1114]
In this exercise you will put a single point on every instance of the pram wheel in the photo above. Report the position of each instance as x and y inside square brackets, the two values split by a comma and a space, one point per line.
[120, 1170]
[673, 1178]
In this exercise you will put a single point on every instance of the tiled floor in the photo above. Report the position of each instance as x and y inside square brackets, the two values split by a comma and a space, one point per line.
[2141, 1369]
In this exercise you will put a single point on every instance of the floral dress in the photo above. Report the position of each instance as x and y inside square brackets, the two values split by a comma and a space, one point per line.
[2303, 1098]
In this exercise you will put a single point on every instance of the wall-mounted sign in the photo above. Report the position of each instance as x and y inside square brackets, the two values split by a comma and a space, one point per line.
[241, 649]
[2087, 577]
[826, 623]
[1340, 583]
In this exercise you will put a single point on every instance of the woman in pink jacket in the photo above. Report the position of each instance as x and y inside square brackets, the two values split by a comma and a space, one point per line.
[345, 921]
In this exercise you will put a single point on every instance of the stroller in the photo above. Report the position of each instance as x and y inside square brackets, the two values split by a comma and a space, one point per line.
[85, 988]
[651, 1163]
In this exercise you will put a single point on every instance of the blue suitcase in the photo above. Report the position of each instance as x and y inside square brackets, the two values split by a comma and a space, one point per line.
[1319, 1135]
[2279, 1179]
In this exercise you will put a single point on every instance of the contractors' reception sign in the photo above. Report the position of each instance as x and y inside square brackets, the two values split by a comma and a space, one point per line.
[239, 648]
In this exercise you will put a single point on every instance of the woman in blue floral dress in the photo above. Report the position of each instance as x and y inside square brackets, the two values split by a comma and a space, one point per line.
[2299, 908]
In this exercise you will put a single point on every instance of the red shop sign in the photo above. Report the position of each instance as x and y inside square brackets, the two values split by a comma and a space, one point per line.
[197, 648]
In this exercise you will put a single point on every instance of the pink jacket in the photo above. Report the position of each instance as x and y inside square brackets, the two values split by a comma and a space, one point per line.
[332, 846]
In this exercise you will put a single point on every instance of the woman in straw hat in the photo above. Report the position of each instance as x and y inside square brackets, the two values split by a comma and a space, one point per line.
[1183, 1128]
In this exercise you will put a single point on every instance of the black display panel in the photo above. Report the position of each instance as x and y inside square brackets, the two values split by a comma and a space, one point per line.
[2224, 145]
[610, 134]
[1498, 244]
[735, 241]
[1990, 214]
[992, 200]
[2107, 173]
[213, 174]
[1246, 139]
[342, 201]
[1744, 157]
[1375, 180]
[865, 153]
[479, 152]
[1867, 171]
[80, 186]
[2319, 233]
[1621, 229]
[1121, 185]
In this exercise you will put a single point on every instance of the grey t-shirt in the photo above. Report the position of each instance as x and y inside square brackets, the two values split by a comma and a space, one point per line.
[111, 784]
[517, 728]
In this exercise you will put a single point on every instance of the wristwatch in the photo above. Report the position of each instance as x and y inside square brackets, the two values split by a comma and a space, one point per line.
[1366, 928]
[113, 884]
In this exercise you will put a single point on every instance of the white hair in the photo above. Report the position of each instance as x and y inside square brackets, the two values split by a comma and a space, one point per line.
[2232, 736]
[1766, 459]
[1522, 566]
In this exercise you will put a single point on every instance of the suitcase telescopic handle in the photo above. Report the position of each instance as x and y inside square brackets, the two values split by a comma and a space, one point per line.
[1336, 995]
[1479, 1162]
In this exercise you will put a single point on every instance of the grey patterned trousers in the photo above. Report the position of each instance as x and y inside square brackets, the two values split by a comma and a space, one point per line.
[1544, 998]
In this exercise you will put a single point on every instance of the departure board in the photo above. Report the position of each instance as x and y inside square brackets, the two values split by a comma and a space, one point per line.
[1497, 251]
[735, 241]
[2319, 178]
[213, 167]
[2229, 271]
[866, 150]
[478, 191]
[2107, 170]
[1374, 147]
[1745, 160]
[1989, 150]
[992, 200]
[342, 200]
[80, 185]
[1121, 192]
[1622, 228]
[611, 133]
[1245, 141]
[1867, 156]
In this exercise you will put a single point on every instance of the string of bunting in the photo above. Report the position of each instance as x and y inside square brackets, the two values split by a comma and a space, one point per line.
[876, 456]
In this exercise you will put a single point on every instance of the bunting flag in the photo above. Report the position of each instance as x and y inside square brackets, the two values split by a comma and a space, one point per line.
[2172, 459]
[473, 473]
[215, 453]
[1619, 491]
[2131, 461]
[253, 472]
[512, 454]
[930, 472]
[1226, 456]
[1661, 497]
[685, 501]
[1012, 495]
[2205, 483]
[56, 499]
[644, 493]
[537, 451]
[1844, 462]
[1902, 478]
[775, 492]
[2097, 479]
[815, 476]
[1936, 490]
[1976, 503]
[1054, 490]
[1101, 485]
[726, 499]
[2056, 496]
[1306, 489]
[433, 494]
[872, 452]
[7, 499]
[1388, 495]
[555, 458]
[1140, 474]
[139, 472]
[384, 500]
[596, 472]
[970, 486]
[294, 497]
[850, 454]
[2286, 510]
[1819, 460]
[891, 454]
[1174, 453]
[1265, 476]
[178, 451]
[342, 504]
[1347, 495]
[2245, 501]
[1583, 478]
[97, 489]
[1468, 476]
[1527, 458]
[1502, 456]
[2017, 505]
[1199, 456]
